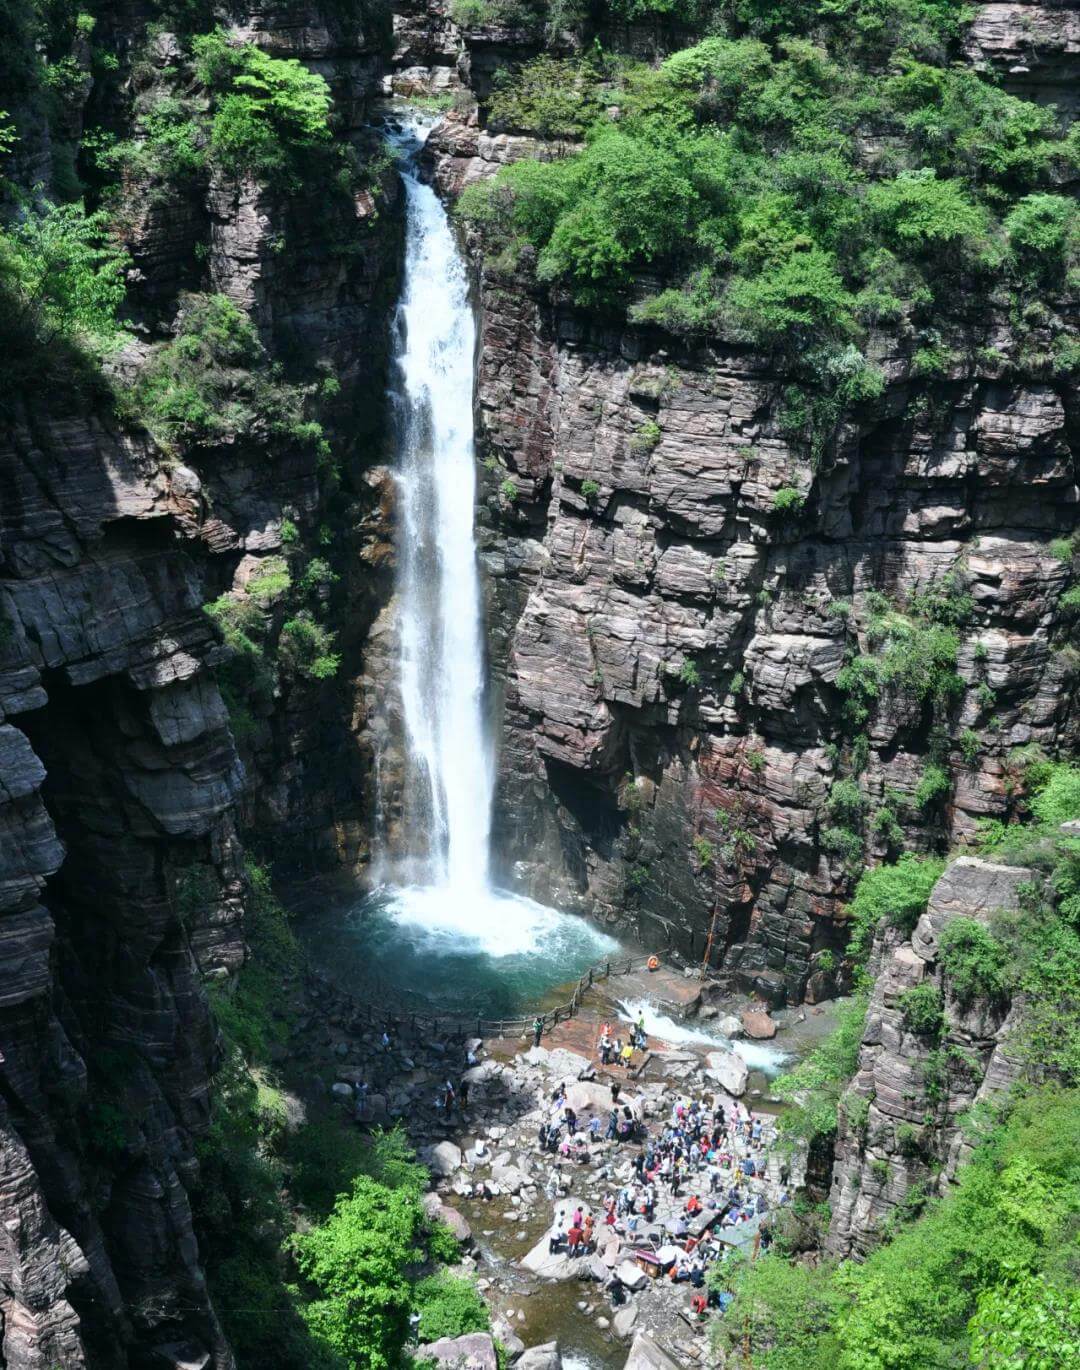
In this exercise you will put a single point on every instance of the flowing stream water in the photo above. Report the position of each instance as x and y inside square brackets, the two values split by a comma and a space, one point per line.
[437, 926]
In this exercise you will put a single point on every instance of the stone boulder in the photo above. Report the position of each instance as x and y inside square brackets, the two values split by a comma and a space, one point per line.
[758, 1025]
[589, 1099]
[510, 1178]
[475, 1351]
[646, 1355]
[729, 1071]
[624, 1321]
[444, 1158]
[632, 1275]
[544, 1357]
[451, 1218]
[508, 1339]
[538, 1260]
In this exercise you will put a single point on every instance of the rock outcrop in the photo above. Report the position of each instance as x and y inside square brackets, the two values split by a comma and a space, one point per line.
[122, 793]
[675, 590]
[900, 1136]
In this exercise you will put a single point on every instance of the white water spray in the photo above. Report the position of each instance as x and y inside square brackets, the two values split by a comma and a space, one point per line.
[769, 1060]
[450, 773]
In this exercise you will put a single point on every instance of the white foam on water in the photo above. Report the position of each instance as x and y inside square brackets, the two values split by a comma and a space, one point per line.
[491, 923]
[769, 1060]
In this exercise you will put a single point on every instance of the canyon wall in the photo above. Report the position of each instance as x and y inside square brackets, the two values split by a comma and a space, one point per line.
[125, 778]
[665, 641]
[901, 1134]
[677, 584]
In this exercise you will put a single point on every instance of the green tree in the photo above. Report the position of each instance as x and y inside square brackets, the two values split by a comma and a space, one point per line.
[62, 266]
[359, 1262]
[270, 113]
[1027, 1323]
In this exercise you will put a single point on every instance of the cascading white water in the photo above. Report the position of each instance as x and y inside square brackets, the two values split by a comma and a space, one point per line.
[442, 649]
[769, 1060]
[447, 794]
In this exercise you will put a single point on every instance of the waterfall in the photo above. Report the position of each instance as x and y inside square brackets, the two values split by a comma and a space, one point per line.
[448, 803]
[445, 905]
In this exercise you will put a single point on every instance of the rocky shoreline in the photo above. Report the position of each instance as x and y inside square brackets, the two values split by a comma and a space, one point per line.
[495, 1186]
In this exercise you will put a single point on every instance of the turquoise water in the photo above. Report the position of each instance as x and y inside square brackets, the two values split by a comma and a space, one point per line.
[494, 955]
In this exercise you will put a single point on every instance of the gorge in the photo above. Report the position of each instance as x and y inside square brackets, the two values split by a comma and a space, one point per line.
[742, 630]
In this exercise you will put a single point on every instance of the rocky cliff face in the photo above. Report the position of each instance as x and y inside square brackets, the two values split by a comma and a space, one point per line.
[677, 585]
[666, 650]
[900, 1139]
[122, 790]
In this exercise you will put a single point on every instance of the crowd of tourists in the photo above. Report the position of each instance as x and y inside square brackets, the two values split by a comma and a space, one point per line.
[680, 1204]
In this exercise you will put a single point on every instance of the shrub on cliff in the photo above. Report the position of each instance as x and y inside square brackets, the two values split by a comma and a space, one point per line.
[814, 1087]
[973, 961]
[823, 167]
[214, 383]
[896, 894]
[949, 1283]
[269, 113]
[360, 1266]
[551, 97]
[305, 648]
[62, 276]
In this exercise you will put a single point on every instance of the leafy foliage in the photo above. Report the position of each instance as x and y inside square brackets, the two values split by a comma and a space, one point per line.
[269, 113]
[449, 1306]
[921, 1008]
[361, 1263]
[817, 1083]
[214, 382]
[973, 961]
[781, 226]
[948, 1284]
[305, 648]
[61, 286]
[895, 894]
[552, 97]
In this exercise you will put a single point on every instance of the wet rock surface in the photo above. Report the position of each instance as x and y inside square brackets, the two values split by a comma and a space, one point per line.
[669, 646]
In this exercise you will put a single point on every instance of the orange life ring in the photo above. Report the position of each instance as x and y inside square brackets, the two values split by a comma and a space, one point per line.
[654, 963]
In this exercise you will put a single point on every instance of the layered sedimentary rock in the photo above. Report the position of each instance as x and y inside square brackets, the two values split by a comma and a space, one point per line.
[121, 788]
[900, 1136]
[676, 586]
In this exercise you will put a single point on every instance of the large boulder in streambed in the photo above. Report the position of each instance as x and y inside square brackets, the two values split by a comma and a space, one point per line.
[438, 1212]
[508, 1339]
[758, 1025]
[444, 1158]
[549, 1265]
[729, 1071]
[544, 1357]
[591, 1100]
[646, 1355]
[476, 1351]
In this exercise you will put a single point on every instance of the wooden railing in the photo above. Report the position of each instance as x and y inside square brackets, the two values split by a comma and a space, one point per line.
[487, 1027]
[456, 1027]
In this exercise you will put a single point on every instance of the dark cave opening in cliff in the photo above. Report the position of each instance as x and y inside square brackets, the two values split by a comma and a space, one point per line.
[592, 807]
